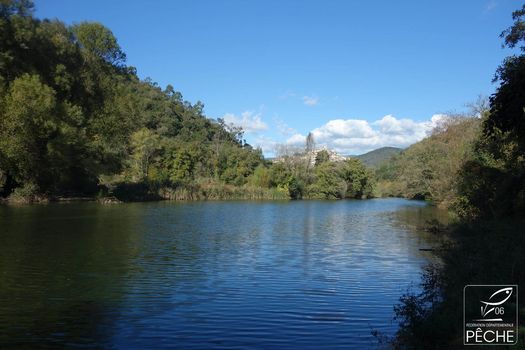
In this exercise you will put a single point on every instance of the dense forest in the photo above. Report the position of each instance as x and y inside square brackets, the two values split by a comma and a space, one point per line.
[429, 169]
[77, 121]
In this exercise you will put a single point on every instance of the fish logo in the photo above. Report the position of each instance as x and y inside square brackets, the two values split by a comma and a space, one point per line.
[496, 299]
[490, 314]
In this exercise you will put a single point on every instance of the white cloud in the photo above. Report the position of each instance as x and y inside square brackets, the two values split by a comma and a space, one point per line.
[355, 136]
[267, 144]
[283, 128]
[310, 100]
[250, 122]
[343, 128]
[296, 139]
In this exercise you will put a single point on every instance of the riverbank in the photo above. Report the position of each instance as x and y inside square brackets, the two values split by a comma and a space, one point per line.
[143, 192]
[482, 252]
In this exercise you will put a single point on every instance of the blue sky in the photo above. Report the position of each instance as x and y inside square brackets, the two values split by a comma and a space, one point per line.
[359, 74]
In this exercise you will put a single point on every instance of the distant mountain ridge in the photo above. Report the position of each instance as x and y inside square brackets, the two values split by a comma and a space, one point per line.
[374, 158]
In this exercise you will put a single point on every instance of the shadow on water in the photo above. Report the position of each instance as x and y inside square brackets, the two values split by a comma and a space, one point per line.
[62, 273]
[294, 274]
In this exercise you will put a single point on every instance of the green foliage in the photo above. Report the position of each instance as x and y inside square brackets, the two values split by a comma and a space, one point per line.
[492, 184]
[329, 183]
[484, 252]
[29, 109]
[26, 194]
[358, 178]
[73, 116]
[237, 164]
[99, 42]
[377, 157]
[339, 180]
[322, 157]
[260, 177]
[75, 120]
[144, 144]
[515, 34]
[15, 7]
[184, 164]
[486, 246]
[428, 169]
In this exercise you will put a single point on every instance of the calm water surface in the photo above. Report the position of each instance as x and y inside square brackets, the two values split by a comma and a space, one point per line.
[289, 275]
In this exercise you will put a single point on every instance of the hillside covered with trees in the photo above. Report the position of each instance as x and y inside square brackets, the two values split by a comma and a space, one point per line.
[378, 156]
[429, 169]
[77, 121]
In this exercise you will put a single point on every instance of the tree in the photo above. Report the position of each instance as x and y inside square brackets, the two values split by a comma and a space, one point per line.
[507, 105]
[74, 117]
[144, 143]
[429, 168]
[328, 183]
[310, 143]
[358, 179]
[322, 157]
[493, 183]
[260, 177]
[184, 164]
[99, 42]
[16, 7]
[29, 122]
[515, 33]
[310, 152]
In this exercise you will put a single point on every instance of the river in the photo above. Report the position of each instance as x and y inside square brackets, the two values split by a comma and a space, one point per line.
[206, 275]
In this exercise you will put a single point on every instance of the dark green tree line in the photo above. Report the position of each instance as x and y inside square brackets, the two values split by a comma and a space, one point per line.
[75, 116]
[493, 183]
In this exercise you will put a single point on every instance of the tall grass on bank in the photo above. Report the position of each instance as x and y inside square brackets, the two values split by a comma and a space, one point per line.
[203, 190]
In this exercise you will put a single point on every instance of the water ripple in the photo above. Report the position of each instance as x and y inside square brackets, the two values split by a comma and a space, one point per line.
[214, 275]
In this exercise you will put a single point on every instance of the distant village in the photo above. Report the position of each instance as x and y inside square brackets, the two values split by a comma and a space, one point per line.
[311, 155]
